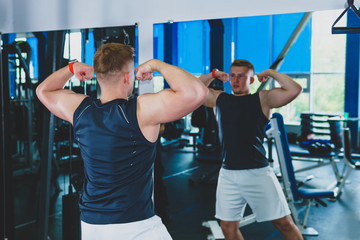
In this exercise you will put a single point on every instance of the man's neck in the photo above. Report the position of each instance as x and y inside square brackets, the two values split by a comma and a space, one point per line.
[108, 95]
[241, 93]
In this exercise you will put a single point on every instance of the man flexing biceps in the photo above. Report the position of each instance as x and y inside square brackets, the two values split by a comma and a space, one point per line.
[245, 176]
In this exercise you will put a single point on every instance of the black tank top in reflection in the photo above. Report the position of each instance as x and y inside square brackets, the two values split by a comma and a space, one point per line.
[242, 126]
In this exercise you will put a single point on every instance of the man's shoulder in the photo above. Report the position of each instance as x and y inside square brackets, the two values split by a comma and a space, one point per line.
[82, 102]
[220, 95]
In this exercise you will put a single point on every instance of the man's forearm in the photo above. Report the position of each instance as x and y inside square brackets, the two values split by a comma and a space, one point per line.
[286, 82]
[206, 79]
[56, 80]
[177, 78]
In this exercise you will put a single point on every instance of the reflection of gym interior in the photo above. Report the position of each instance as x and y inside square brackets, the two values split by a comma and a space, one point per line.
[312, 143]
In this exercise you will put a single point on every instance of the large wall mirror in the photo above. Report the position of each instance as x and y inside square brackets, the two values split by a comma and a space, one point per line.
[38, 175]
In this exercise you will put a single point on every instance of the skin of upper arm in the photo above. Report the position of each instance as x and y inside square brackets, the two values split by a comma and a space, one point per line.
[278, 97]
[275, 98]
[62, 103]
[212, 97]
[162, 107]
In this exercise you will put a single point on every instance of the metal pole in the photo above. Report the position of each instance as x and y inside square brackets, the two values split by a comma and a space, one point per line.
[28, 104]
[294, 36]
[6, 199]
[48, 134]
[3, 207]
[45, 175]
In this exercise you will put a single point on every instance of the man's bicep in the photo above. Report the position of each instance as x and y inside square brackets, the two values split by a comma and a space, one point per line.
[63, 103]
[162, 107]
[277, 97]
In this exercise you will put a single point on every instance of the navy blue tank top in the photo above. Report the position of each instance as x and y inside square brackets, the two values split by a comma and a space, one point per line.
[241, 125]
[118, 162]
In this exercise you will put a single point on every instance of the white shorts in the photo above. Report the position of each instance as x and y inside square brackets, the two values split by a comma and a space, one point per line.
[257, 187]
[150, 229]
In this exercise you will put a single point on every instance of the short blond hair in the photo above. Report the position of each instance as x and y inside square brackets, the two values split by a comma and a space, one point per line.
[112, 57]
[243, 63]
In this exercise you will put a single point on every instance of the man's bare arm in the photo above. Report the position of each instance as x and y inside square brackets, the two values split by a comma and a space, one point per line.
[59, 101]
[186, 93]
[278, 97]
[206, 79]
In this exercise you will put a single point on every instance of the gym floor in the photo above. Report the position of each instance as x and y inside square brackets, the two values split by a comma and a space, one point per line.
[191, 201]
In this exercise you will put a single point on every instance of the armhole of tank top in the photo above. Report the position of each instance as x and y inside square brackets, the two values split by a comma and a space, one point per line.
[218, 98]
[260, 108]
[83, 106]
[137, 123]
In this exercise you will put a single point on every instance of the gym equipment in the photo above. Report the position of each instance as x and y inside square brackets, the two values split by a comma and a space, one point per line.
[291, 189]
[316, 160]
[349, 159]
[322, 142]
[198, 120]
[280, 58]
[17, 55]
[125, 35]
[320, 150]
[208, 145]
[318, 147]
[70, 206]
[172, 134]
[70, 202]
[6, 180]
[173, 130]
[315, 126]
[54, 52]
[216, 232]
[290, 186]
[346, 30]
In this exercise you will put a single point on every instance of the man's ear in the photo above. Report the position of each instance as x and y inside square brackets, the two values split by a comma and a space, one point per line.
[252, 79]
[127, 78]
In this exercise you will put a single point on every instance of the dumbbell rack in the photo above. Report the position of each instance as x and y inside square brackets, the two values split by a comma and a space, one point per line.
[317, 124]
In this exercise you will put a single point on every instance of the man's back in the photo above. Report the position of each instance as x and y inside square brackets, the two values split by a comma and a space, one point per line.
[118, 143]
[117, 160]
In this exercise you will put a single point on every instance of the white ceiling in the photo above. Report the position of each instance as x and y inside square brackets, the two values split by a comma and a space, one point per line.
[45, 15]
